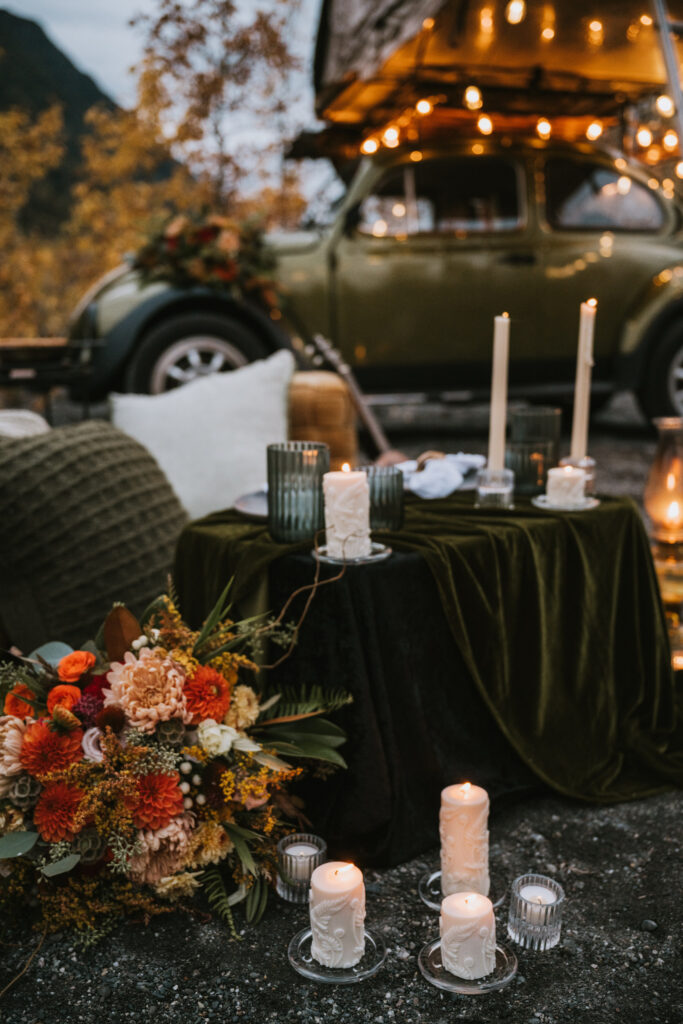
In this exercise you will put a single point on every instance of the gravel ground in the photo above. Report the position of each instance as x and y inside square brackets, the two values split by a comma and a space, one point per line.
[621, 953]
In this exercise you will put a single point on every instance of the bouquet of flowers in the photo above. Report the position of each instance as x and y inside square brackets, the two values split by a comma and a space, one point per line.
[213, 251]
[141, 767]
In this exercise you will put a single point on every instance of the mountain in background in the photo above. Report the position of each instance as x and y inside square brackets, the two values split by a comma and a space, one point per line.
[34, 74]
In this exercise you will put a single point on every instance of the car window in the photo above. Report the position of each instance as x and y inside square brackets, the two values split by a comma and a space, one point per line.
[589, 196]
[470, 195]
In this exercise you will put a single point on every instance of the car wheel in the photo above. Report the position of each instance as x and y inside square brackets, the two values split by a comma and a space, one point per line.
[662, 393]
[187, 347]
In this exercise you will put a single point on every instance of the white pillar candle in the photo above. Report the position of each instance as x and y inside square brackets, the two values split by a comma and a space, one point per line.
[463, 827]
[499, 390]
[538, 896]
[337, 913]
[468, 935]
[582, 387]
[565, 486]
[347, 513]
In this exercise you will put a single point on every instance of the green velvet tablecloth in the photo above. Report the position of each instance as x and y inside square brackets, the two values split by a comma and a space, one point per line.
[557, 617]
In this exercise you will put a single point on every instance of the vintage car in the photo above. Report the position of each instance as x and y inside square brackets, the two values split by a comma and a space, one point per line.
[425, 248]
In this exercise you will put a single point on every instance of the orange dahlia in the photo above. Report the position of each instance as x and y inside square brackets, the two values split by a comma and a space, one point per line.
[207, 694]
[55, 811]
[46, 751]
[159, 800]
[72, 666]
[64, 695]
[17, 707]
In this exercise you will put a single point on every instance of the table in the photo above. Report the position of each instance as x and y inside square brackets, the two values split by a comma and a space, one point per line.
[513, 648]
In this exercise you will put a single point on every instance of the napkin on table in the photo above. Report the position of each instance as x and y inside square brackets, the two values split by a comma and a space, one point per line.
[440, 477]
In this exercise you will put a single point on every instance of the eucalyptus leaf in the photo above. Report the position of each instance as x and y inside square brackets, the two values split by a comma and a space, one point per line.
[16, 844]
[270, 761]
[59, 867]
[52, 653]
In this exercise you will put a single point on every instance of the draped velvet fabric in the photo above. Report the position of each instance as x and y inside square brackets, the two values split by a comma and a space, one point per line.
[512, 648]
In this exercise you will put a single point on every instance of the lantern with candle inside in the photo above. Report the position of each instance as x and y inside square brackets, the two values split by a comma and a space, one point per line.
[298, 856]
[663, 500]
[535, 914]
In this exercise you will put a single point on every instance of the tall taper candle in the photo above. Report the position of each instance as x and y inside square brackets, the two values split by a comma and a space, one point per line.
[463, 827]
[499, 391]
[582, 387]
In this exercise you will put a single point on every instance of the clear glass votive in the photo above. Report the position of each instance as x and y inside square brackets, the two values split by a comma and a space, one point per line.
[297, 858]
[295, 489]
[587, 464]
[537, 423]
[530, 462]
[495, 488]
[535, 915]
[386, 496]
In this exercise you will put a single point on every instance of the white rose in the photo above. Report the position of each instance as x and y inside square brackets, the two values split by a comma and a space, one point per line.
[218, 739]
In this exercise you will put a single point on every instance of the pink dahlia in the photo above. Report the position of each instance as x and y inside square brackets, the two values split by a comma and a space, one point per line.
[11, 737]
[163, 850]
[148, 687]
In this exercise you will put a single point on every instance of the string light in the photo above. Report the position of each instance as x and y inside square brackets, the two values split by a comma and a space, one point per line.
[595, 32]
[390, 137]
[428, 23]
[548, 33]
[594, 130]
[623, 185]
[544, 128]
[665, 105]
[424, 107]
[645, 19]
[486, 20]
[670, 141]
[515, 12]
[644, 137]
[477, 149]
[473, 100]
[485, 124]
[679, 169]
[653, 184]
[415, 156]
[369, 146]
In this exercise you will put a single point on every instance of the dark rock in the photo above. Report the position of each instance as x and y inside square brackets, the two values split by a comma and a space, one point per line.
[648, 926]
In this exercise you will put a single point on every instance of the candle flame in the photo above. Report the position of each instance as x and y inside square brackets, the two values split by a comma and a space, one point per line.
[346, 468]
[670, 482]
[344, 867]
[592, 302]
[465, 788]
[506, 315]
[568, 469]
[673, 513]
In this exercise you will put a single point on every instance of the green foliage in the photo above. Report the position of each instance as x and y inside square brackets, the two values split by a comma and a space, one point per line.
[60, 867]
[16, 844]
[310, 700]
[219, 901]
[256, 901]
[311, 737]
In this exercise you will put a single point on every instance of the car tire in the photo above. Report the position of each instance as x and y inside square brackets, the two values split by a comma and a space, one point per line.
[188, 346]
[662, 392]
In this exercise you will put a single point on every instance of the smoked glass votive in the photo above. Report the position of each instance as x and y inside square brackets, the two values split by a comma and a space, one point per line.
[386, 497]
[530, 462]
[535, 915]
[495, 488]
[295, 489]
[297, 858]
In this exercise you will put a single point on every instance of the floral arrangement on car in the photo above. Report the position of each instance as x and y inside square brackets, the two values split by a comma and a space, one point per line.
[213, 251]
[141, 768]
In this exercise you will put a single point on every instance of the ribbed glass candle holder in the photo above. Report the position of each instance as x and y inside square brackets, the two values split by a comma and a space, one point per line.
[298, 856]
[295, 489]
[535, 915]
[386, 497]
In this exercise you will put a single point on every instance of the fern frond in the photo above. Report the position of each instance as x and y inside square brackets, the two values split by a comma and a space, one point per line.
[219, 901]
[311, 700]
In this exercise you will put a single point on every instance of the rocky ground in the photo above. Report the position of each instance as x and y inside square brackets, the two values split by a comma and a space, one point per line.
[621, 954]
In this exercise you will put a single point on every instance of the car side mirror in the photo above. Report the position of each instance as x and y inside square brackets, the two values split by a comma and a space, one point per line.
[352, 219]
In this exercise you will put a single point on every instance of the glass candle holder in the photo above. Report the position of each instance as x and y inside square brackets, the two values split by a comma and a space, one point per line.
[386, 497]
[587, 464]
[536, 423]
[535, 915]
[495, 488]
[297, 858]
[295, 489]
[530, 462]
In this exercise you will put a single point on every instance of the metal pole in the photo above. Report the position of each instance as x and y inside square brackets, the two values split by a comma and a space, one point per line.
[673, 72]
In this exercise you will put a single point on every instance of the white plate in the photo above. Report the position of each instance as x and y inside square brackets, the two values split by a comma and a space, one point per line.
[541, 501]
[254, 505]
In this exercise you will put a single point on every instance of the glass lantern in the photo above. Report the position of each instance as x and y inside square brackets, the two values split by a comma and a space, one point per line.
[663, 500]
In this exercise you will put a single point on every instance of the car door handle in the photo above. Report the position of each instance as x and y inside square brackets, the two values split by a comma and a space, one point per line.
[518, 259]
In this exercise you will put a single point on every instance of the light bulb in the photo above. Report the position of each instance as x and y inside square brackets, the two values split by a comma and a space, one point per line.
[679, 169]
[369, 146]
[544, 128]
[670, 141]
[644, 137]
[594, 130]
[665, 105]
[548, 33]
[515, 11]
[473, 100]
[485, 124]
[423, 107]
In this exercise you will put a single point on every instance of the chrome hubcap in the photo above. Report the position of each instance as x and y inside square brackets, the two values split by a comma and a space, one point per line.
[193, 357]
[675, 382]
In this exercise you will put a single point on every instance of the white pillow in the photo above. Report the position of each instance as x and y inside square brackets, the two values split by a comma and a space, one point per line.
[22, 423]
[210, 435]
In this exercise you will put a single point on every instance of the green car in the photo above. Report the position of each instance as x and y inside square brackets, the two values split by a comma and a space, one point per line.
[426, 247]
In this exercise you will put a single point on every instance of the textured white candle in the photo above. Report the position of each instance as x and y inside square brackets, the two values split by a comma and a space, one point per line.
[463, 827]
[499, 392]
[566, 485]
[337, 914]
[582, 387]
[468, 935]
[347, 514]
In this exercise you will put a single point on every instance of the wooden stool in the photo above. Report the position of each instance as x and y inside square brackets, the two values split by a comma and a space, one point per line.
[320, 409]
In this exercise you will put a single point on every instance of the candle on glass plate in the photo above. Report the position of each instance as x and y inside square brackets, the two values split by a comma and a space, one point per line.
[347, 513]
[337, 912]
[468, 935]
[463, 828]
[566, 486]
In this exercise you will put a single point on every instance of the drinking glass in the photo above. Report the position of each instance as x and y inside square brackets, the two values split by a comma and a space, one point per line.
[295, 489]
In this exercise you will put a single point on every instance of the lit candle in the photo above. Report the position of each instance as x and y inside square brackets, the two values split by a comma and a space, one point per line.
[299, 868]
[347, 513]
[468, 935]
[565, 486]
[499, 388]
[537, 896]
[337, 913]
[582, 387]
[463, 827]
